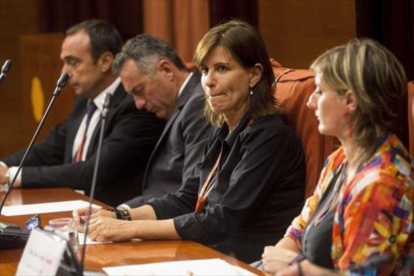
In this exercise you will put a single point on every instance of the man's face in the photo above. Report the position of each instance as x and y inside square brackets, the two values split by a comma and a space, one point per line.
[153, 92]
[85, 75]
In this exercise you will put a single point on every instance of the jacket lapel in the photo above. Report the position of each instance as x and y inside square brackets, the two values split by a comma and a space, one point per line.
[182, 100]
[116, 100]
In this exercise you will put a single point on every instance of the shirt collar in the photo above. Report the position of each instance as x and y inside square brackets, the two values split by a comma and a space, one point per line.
[231, 137]
[184, 84]
[99, 100]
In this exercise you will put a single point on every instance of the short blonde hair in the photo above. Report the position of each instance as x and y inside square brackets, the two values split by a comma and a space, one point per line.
[246, 46]
[376, 77]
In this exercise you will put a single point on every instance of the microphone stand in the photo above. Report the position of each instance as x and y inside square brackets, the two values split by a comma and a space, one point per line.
[104, 114]
[5, 69]
[60, 84]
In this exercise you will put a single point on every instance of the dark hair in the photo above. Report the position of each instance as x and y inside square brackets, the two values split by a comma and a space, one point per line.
[146, 50]
[103, 35]
[375, 76]
[246, 46]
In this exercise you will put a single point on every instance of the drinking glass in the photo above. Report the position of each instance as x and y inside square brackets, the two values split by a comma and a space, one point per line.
[66, 227]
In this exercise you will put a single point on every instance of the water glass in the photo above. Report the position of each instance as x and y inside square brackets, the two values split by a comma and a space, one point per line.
[66, 227]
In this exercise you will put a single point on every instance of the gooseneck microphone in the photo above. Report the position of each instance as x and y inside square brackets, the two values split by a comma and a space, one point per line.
[104, 114]
[60, 84]
[5, 69]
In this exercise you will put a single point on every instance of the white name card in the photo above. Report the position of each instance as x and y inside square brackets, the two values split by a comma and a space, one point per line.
[42, 254]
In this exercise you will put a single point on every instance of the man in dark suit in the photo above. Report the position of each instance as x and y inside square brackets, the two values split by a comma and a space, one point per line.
[152, 72]
[66, 157]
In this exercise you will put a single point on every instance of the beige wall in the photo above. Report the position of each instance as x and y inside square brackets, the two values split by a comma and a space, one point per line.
[297, 31]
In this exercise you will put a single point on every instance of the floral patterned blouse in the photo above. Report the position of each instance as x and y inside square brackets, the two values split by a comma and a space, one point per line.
[374, 215]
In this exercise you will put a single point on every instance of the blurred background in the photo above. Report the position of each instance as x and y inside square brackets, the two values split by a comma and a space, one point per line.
[295, 32]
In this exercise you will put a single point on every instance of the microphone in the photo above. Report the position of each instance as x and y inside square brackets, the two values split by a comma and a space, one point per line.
[5, 69]
[63, 79]
[60, 84]
[104, 114]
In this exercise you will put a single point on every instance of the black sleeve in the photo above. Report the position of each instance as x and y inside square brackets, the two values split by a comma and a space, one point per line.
[128, 138]
[184, 200]
[138, 201]
[48, 152]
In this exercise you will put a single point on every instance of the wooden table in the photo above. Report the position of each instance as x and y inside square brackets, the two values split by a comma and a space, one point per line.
[102, 255]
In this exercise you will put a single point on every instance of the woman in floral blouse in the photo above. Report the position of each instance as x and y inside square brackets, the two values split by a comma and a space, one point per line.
[360, 217]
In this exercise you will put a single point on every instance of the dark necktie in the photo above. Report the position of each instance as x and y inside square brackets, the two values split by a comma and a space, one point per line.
[89, 112]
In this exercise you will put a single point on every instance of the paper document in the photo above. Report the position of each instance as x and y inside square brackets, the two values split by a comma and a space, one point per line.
[195, 267]
[41, 208]
[88, 240]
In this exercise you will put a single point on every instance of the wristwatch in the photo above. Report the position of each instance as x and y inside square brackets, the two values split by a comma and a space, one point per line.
[122, 214]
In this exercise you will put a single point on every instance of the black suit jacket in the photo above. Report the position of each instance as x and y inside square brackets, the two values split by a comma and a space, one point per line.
[180, 146]
[129, 137]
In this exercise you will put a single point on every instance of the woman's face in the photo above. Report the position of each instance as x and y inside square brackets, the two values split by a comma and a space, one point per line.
[330, 109]
[226, 83]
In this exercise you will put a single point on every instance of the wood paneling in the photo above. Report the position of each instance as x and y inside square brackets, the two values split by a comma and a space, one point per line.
[17, 17]
[297, 31]
[391, 23]
[222, 11]
[40, 58]
[125, 15]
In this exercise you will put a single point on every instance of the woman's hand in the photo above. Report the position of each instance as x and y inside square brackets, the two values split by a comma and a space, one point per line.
[306, 268]
[109, 229]
[275, 258]
[81, 216]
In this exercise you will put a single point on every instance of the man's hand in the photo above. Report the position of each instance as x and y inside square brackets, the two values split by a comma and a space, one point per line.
[81, 215]
[109, 229]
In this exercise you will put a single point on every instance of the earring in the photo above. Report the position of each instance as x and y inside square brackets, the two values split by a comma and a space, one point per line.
[251, 91]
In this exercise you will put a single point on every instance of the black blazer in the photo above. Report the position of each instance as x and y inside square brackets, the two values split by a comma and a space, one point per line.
[129, 137]
[180, 146]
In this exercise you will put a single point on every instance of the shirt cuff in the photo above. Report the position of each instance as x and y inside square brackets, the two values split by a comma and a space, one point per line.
[13, 171]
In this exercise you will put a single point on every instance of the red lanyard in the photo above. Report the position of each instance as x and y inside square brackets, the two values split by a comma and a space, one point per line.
[202, 196]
